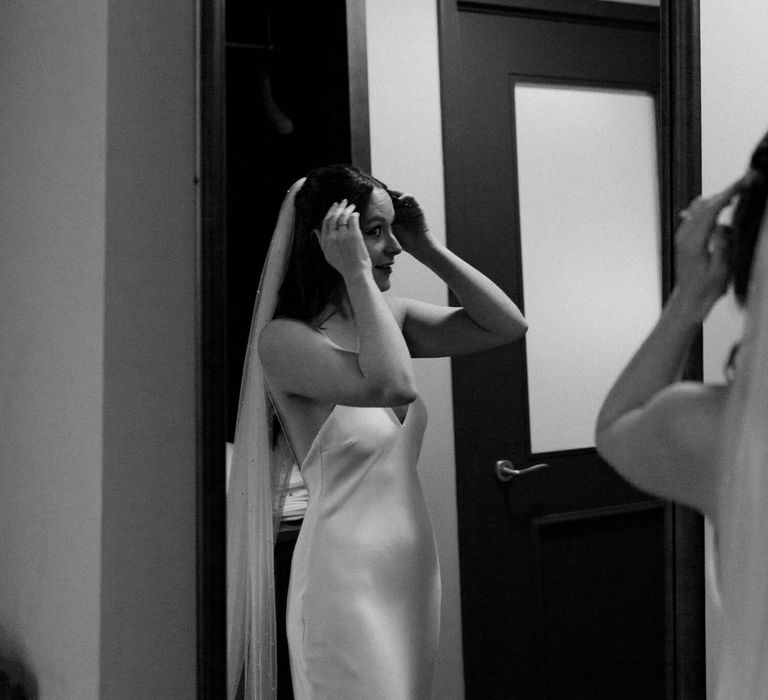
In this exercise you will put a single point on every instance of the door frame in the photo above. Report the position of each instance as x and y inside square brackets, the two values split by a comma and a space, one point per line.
[680, 166]
[681, 163]
[211, 363]
[211, 360]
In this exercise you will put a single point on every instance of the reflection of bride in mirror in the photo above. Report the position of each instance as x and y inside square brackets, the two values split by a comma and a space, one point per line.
[706, 445]
[335, 355]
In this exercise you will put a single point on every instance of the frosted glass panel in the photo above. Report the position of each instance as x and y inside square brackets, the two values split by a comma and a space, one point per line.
[590, 236]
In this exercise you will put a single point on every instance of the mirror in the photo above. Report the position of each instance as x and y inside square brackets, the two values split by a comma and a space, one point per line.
[285, 114]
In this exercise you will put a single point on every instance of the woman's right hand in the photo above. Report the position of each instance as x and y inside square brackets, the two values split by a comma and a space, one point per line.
[342, 242]
[701, 248]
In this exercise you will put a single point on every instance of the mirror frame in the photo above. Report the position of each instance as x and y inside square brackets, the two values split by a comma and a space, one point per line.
[211, 355]
[681, 164]
[681, 177]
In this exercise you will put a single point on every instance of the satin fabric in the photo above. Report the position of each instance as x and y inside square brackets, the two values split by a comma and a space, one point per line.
[364, 596]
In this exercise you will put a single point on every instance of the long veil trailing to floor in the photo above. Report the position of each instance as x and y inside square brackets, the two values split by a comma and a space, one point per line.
[742, 527]
[258, 481]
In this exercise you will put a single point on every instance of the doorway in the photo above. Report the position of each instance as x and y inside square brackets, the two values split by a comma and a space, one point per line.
[294, 98]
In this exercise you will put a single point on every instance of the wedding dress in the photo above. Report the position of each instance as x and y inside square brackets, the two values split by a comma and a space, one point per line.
[364, 596]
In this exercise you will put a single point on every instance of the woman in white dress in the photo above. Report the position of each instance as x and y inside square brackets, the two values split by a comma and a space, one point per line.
[706, 445]
[364, 596]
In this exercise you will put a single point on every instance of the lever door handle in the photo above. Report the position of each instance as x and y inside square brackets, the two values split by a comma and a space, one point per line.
[505, 470]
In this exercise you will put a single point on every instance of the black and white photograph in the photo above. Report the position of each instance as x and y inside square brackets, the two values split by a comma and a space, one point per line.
[383, 350]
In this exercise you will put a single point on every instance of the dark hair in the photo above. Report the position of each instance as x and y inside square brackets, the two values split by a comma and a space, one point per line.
[310, 283]
[747, 217]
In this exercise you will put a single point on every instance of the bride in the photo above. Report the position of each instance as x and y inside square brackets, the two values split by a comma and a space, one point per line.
[333, 354]
[706, 445]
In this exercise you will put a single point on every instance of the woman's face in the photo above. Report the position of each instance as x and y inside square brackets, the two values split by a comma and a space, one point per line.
[376, 227]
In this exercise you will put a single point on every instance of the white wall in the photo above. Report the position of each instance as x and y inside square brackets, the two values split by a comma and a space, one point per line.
[97, 473]
[53, 75]
[407, 154]
[734, 97]
[148, 596]
[734, 104]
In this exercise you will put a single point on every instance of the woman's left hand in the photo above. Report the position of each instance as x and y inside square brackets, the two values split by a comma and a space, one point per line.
[410, 225]
[701, 247]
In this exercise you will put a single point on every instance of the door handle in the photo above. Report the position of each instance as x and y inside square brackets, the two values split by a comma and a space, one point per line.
[505, 470]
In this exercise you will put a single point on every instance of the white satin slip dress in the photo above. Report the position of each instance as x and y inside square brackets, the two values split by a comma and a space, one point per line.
[364, 596]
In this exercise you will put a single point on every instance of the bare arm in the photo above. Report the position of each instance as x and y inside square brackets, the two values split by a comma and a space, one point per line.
[487, 317]
[299, 360]
[658, 432]
[662, 434]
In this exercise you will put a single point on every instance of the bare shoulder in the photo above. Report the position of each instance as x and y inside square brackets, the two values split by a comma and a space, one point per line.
[278, 330]
[399, 307]
[682, 425]
[692, 413]
[670, 447]
[282, 339]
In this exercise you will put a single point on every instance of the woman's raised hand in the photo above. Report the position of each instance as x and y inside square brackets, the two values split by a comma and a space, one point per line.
[410, 225]
[341, 240]
[702, 246]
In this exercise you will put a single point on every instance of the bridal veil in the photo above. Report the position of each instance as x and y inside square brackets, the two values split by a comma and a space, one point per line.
[261, 463]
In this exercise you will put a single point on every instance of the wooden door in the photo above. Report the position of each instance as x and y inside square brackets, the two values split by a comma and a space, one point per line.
[564, 567]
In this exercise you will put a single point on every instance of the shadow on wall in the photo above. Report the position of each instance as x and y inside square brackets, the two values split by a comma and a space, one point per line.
[16, 679]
